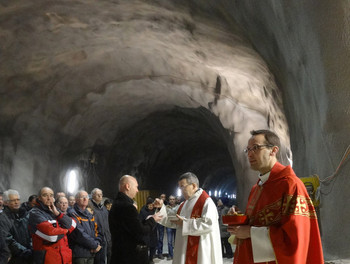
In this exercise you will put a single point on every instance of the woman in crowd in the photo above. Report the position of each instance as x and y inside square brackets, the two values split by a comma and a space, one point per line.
[151, 239]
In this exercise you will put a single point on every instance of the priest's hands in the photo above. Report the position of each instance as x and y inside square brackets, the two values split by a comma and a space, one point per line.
[179, 220]
[241, 232]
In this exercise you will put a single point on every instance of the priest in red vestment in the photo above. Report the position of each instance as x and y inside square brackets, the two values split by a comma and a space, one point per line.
[283, 224]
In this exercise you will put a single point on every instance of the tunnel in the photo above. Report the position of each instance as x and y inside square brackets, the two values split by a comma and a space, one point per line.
[174, 142]
[156, 150]
[158, 88]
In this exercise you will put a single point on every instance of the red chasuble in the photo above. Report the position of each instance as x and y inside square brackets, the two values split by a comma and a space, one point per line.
[193, 241]
[283, 204]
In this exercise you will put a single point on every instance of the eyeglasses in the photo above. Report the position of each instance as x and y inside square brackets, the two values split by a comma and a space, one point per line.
[84, 197]
[14, 200]
[183, 187]
[255, 148]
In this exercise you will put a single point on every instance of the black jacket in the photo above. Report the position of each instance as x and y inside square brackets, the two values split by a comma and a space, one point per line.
[4, 251]
[127, 231]
[26, 206]
[14, 227]
[101, 217]
[150, 239]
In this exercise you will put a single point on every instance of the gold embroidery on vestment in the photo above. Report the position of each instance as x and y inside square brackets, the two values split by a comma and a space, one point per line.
[270, 214]
[298, 205]
[292, 205]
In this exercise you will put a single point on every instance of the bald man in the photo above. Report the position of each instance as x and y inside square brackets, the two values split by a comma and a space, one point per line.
[126, 228]
[49, 229]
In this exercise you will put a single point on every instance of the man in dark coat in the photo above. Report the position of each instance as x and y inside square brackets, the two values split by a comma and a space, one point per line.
[126, 228]
[86, 239]
[30, 203]
[101, 217]
[14, 227]
[4, 251]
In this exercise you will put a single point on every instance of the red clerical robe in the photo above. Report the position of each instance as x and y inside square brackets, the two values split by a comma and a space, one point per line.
[283, 204]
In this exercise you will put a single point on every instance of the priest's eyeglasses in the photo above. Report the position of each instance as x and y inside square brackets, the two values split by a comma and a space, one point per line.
[184, 186]
[255, 148]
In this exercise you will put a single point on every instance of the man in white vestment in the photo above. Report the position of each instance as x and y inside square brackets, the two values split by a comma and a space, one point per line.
[197, 226]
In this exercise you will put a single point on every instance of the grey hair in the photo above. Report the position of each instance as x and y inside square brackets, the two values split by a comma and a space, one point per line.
[95, 190]
[77, 196]
[190, 178]
[6, 194]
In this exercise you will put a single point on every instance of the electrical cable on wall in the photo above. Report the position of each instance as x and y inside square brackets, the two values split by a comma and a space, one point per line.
[329, 179]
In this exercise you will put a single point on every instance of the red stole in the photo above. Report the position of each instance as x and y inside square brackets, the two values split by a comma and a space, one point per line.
[193, 241]
[282, 203]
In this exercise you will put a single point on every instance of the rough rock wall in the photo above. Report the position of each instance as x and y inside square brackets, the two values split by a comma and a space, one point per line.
[331, 20]
[306, 44]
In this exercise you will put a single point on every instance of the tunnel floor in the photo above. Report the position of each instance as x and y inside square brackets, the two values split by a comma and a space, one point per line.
[226, 260]
[164, 261]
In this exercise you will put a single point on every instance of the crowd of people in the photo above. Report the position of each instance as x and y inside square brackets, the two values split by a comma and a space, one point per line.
[54, 229]
[90, 229]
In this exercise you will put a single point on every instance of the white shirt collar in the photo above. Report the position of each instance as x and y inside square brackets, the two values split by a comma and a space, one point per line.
[196, 194]
[264, 178]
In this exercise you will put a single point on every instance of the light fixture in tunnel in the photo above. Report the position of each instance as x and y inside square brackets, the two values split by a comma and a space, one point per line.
[179, 193]
[72, 181]
[216, 193]
[209, 193]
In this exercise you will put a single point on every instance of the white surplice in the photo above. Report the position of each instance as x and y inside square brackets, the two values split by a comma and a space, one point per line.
[207, 227]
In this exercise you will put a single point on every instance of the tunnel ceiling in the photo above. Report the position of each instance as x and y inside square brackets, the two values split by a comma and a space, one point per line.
[84, 76]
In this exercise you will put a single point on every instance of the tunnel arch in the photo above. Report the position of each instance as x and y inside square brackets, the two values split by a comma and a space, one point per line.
[166, 144]
[99, 68]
